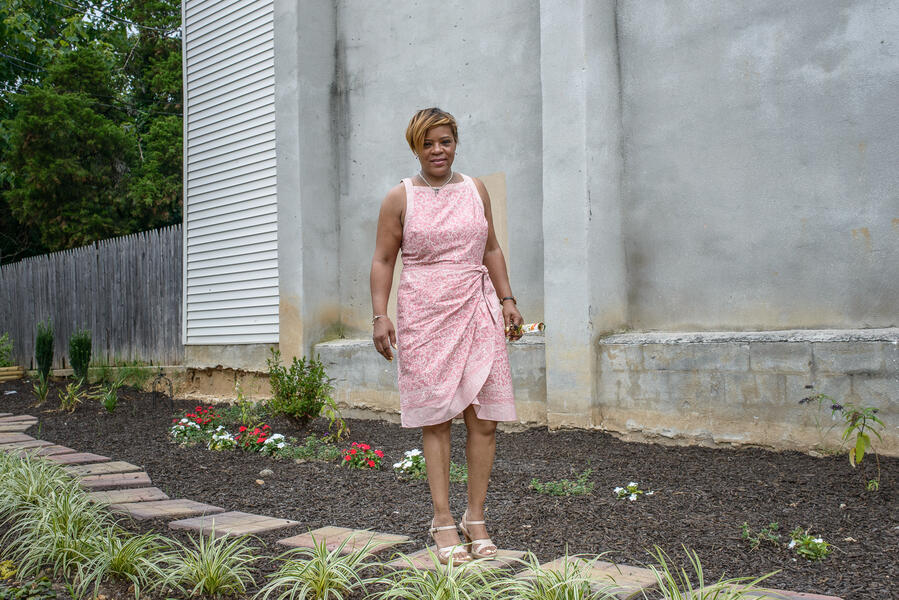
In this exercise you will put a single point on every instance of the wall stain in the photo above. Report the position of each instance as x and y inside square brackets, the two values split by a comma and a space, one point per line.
[862, 233]
[895, 223]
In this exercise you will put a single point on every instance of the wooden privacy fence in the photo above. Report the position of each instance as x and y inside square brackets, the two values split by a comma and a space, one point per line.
[126, 291]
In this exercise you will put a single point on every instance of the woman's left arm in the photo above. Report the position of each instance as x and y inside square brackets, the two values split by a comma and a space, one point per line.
[496, 266]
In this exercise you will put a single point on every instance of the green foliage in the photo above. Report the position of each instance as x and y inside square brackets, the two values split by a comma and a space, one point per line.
[808, 546]
[566, 487]
[677, 584]
[766, 534]
[5, 351]
[569, 582]
[458, 473]
[43, 348]
[312, 448]
[211, 566]
[41, 388]
[38, 589]
[861, 422]
[72, 396]
[317, 573]
[108, 395]
[301, 391]
[137, 559]
[466, 581]
[80, 353]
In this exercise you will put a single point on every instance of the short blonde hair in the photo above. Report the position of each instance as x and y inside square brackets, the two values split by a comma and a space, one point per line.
[424, 120]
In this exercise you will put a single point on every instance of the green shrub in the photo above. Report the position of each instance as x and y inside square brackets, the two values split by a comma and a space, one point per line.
[300, 392]
[5, 351]
[43, 348]
[565, 487]
[80, 353]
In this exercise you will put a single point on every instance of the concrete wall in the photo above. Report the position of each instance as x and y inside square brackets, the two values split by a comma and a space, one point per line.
[760, 145]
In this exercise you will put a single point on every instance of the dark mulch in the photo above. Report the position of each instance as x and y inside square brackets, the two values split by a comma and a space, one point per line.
[702, 495]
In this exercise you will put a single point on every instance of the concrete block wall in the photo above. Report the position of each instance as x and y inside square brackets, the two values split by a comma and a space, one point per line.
[745, 388]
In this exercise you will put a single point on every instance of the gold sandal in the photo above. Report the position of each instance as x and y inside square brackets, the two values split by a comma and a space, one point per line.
[482, 548]
[449, 553]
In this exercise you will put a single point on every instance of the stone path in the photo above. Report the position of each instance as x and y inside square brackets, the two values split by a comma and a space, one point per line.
[126, 489]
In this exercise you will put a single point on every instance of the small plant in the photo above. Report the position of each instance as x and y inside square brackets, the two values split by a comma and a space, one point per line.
[676, 584]
[135, 374]
[108, 395]
[72, 396]
[302, 391]
[137, 559]
[7, 570]
[312, 448]
[39, 589]
[412, 466]
[766, 534]
[361, 456]
[41, 388]
[317, 573]
[210, 566]
[565, 487]
[860, 422]
[252, 440]
[221, 440]
[273, 443]
[808, 546]
[631, 491]
[188, 432]
[5, 351]
[80, 353]
[458, 473]
[43, 348]
[445, 582]
[569, 582]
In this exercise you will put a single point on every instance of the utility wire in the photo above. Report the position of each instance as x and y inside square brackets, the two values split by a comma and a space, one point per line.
[86, 10]
[22, 60]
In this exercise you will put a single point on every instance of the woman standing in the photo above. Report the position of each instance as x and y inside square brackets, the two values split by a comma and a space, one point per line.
[454, 304]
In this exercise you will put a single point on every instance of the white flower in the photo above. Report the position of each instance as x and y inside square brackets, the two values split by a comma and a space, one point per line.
[185, 420]
[633, 484]
[632, 497]
[792, 544]
[818, 540]
[650, 493]
[281, 445]
[398, 465]
[411, 453]
[617, 491]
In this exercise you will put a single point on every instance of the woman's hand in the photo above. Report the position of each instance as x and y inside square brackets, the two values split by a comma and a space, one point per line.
[384, 337]
[511, 317]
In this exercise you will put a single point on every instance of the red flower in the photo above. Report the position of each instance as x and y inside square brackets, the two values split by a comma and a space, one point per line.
[371, 463]
[174, 420]
[259, 440]
[379, 454]
[353, 451]
[256, 431]
[364, 446]
[241, 429]
[266, 427]
[347, 457]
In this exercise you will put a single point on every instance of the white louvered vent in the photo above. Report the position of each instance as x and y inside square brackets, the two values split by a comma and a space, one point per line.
[230, 216]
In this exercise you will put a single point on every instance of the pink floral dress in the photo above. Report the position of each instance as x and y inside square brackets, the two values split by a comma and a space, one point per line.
[451, 347]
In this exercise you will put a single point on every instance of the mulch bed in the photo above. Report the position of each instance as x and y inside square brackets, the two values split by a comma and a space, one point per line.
[702, 495]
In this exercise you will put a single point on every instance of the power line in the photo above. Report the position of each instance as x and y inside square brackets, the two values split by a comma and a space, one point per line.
[22, 60]
[82, 9]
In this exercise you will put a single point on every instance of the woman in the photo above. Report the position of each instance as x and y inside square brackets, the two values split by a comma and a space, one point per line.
[454, 303]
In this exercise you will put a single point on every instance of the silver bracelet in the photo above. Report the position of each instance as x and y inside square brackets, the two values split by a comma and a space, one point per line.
[375, 318]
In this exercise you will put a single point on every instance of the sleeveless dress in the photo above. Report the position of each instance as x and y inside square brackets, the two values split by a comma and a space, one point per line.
[451, 349]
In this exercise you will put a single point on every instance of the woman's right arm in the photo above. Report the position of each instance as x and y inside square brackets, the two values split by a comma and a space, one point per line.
[387, 245]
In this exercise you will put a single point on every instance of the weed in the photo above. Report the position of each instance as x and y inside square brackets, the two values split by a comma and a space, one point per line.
[565, 487]
[766, 534]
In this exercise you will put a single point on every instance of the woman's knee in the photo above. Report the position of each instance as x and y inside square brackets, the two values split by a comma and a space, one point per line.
[440, 429]
[479, 426]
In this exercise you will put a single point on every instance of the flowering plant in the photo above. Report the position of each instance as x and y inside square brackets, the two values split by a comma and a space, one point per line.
[361, 456]
[273, 443]
[205, 417]
[252, 440]
[812, 548]
[221, 440]
[412, 466]
[631, 491]
[185, 431]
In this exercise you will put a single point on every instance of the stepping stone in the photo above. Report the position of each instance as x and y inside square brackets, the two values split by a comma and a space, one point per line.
[773, 594]
[423, 560]
[13, 418]
[50, 450]
[128, 495]
[116, 466]
[5, 414]
[77, 458]
[622, 581]
[232, 523]
[141, 511]
[16, 426]
[12, 438]
[22, 445]
[115, 480]
[356, 539]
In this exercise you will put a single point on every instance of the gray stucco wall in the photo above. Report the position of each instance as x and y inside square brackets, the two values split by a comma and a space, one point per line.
[760, 148]
[477, 60]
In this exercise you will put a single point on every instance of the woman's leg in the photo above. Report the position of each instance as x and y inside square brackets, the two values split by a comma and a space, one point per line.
[436, 447]
[479, 451]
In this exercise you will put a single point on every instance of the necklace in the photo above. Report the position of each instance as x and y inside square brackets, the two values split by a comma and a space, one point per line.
[435, 188]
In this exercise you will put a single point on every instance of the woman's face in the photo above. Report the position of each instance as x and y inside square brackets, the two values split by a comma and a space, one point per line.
[437, 153]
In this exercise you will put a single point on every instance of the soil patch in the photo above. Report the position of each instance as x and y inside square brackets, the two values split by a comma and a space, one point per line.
[702, 495]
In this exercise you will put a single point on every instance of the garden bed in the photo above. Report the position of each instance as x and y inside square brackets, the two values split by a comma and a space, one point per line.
[701, 497]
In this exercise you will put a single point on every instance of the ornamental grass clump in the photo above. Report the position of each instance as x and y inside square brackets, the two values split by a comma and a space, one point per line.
[137, 559]
[676, 584]
[210, 566]
[466, 581]
[318, 573]
[570, 581]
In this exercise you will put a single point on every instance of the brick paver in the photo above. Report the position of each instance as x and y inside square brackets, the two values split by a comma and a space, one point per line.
[775, 594]
[5, 414]
[623, 581]
[232, 523]
[12, 418]
[146, 494]
[161, 509]
[423, 560]
[116, 466]
[356, 539]
[115, 480]
[77, 458]
[12, 438]
[45, 451]
[18, 426]
[20, 445]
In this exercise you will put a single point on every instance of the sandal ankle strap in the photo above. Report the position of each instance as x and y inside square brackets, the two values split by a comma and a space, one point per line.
[443, 528]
